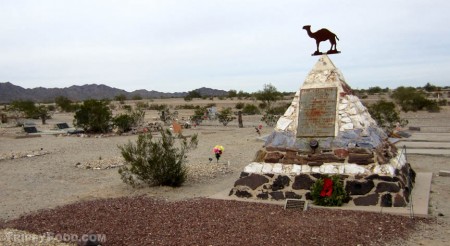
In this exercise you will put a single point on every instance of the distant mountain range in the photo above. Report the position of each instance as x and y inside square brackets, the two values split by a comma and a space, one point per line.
[10, 92]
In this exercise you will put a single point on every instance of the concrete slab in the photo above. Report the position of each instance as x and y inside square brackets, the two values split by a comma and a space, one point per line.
[442, 152]
[419, 208]
[425, 145]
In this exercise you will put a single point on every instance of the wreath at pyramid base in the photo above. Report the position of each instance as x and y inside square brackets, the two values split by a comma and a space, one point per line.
[379, 176]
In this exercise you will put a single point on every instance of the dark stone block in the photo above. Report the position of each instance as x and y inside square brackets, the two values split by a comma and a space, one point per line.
[372, 177]
[308, 196]
[314, 163]
[386, 200]
[253, 181]
[277, 195]
[243, 193]
[368, 200]
[273, 148]
[270, 175]
[243, 174]
[302, 182]
[292, 195]
[324, 158]
[316, 175]
[386, 186]
[361, 159]
[360, 151]
[263, 196]
[356, 187]
[280, 182]
[399, 201]
[273, 157]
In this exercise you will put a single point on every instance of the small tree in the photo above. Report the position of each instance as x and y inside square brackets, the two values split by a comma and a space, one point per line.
[268, 95]
[156, 162]
[225, 116]
[120, 98]
[93, 116]
[386, 115]
[65, 104]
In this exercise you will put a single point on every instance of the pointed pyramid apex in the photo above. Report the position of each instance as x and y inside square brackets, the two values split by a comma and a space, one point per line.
[324, 63]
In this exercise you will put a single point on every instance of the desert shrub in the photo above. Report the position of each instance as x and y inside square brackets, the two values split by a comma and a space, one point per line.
[250, 109]
[65, 104]
[120, 98]
[136, 97]
[268, 95]
[209, 105]
[240, 105]
[155, 106]
[123, 121]
[27, 108]
[411, 99]
[156, 162]
[278, 110]
[270, 119]
[199, 115]
[386, 115]
[225, 116]
[127, 107]
[142, 105]
[93, 116]
[329, 191]
[187, 106]
[166, 116]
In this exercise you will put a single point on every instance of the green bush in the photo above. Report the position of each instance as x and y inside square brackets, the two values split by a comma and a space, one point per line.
[225, 116]
[250, 109]
[279, 110]
[410, 99]
[386, 115]
[240, 105]
[338, 196]
[93, 116]
[65, 104]
[124, 122]
[270, 119]
[156, 162]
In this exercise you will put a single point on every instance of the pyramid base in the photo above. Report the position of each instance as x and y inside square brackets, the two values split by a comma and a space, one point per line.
[365, 186]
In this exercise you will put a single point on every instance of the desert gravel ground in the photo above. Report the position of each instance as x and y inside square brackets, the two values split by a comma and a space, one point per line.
[45, 182]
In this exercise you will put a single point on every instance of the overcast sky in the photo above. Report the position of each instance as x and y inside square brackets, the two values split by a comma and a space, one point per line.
[172, 46]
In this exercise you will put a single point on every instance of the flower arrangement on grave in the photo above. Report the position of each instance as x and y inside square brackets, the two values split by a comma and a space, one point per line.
[218, 150]
[329, 191]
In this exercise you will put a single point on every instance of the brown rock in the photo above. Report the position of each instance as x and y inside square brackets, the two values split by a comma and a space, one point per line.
[387, 186]
[360, 159]
[368, 200]
[386, 200]
[399, 201]
[302, 182]
[272, 148]
[253, 181]
[341, 153]
[273, 157]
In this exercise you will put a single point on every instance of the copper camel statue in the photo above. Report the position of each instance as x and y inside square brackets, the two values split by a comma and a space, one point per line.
[323, 35]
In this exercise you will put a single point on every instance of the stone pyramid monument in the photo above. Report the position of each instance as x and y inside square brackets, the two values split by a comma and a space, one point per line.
[327, 131]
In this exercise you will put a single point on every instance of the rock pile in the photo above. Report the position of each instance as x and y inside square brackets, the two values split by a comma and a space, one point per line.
[23, 154]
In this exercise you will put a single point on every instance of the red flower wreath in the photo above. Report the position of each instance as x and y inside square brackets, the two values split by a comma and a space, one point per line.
[327, 189]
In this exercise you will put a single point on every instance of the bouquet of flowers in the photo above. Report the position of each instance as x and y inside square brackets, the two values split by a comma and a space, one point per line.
[218, 150]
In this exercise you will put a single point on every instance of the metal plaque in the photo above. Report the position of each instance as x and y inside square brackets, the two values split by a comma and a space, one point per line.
[317, 112]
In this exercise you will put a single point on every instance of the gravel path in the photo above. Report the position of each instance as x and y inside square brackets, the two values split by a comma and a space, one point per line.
[145, 221]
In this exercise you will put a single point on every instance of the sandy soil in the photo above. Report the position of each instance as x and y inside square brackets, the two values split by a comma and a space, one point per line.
[43, 182]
